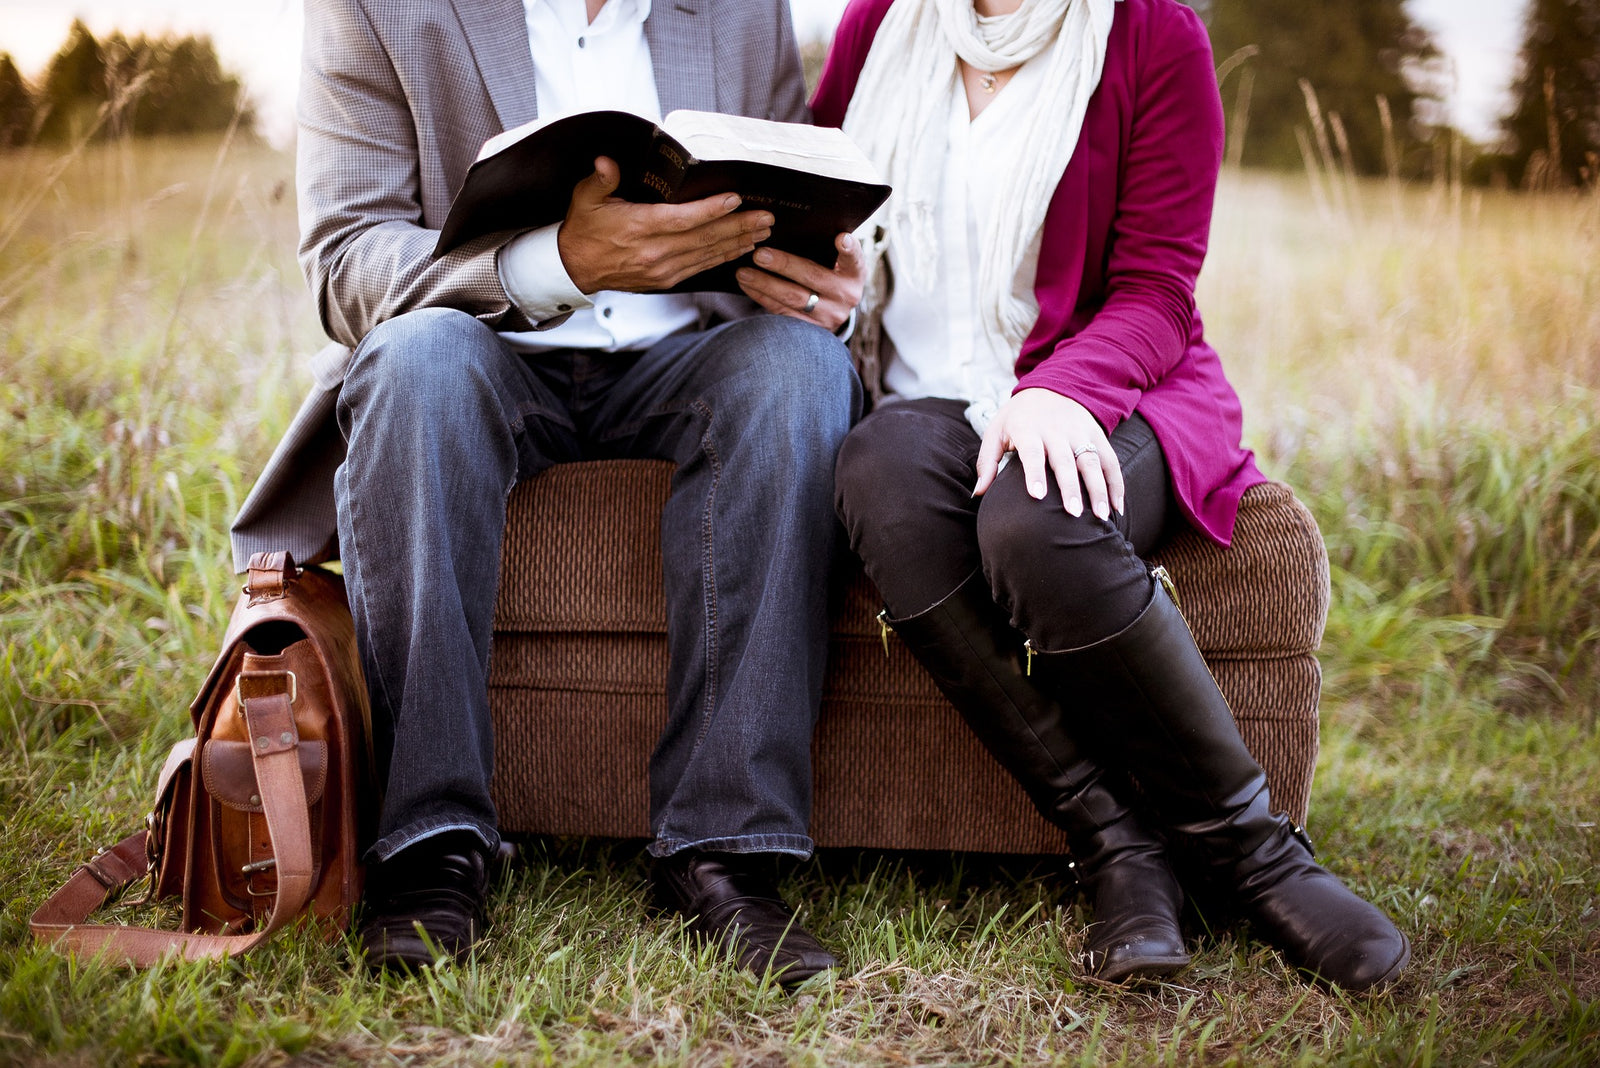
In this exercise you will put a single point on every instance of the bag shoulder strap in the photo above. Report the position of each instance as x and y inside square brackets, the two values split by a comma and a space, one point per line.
[265, 700]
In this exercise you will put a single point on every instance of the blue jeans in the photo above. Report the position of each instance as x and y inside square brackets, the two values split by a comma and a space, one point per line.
[443, 419]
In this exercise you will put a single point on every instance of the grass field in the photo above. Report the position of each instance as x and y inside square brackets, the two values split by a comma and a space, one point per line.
[1422, 364]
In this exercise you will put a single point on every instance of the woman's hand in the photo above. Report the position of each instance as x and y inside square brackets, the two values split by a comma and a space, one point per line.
[1045, 427]
[801, 289]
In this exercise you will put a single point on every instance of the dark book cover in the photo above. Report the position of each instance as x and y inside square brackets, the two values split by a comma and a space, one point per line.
[528, 183]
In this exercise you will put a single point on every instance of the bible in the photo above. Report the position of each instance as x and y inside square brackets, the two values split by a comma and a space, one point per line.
[814, 180]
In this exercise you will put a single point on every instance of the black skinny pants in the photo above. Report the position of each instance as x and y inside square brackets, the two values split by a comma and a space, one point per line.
[903, 489]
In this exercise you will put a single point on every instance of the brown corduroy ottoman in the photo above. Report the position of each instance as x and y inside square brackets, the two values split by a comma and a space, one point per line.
[577, 675]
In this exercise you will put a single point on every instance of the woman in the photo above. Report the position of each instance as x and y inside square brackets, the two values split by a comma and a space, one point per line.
[1054, 163]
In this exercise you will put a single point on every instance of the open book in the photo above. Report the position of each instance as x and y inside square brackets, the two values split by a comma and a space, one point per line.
[814, 180]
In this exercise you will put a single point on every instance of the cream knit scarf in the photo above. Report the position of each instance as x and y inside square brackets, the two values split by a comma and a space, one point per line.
[898, 116]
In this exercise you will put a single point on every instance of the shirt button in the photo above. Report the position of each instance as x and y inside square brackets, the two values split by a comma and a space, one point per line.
[580, 42]
[563, 307]
[606, 311]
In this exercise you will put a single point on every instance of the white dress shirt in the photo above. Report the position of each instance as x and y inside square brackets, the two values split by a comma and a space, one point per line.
[941, 346]
[584, 66]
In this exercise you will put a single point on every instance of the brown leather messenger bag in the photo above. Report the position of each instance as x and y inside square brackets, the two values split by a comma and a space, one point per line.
[260, 816]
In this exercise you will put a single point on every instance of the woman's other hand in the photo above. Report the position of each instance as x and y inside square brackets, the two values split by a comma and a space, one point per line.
[1044, 427]
[801, 289]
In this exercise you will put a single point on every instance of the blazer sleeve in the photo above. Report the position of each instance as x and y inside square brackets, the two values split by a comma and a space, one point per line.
[788, 75]
[363, 247]
[1159, 231]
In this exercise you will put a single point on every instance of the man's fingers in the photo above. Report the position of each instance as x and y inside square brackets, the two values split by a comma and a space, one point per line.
[669, 218]
[690, 260]
[601, 184]
[784, 294]
[683, 218]
[666, 260]
[757, 286]
[772, 294]
[852, 262]
[809, 277]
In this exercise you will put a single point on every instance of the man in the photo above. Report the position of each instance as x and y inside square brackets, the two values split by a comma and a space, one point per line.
[452, 379]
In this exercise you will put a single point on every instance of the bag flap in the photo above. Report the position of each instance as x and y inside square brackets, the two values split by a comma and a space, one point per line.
[168, 822]
[228, 770]
[178, 760]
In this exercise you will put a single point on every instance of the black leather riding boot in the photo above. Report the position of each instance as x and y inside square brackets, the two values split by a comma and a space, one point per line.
[975, 657]
[1160, 709]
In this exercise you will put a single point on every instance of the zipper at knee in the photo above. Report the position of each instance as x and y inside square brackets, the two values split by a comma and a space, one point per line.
[1163, 576]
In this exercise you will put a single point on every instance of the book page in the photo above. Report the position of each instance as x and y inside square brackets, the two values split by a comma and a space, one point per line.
[510, 137]
[817, 149]
[506, 138]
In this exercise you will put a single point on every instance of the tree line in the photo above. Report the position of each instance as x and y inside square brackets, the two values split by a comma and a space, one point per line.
[121, 86]
[1376, 84]
[1359, 79]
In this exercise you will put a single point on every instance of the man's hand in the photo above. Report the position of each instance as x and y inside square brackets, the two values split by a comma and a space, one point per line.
[1045, 427]
[788, 283]
[609, 243]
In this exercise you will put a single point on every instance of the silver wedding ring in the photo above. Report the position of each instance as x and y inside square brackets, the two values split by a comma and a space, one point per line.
[811, 304]
[1087, 448]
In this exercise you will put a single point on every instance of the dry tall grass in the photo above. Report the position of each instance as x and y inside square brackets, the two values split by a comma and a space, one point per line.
[1424, 365]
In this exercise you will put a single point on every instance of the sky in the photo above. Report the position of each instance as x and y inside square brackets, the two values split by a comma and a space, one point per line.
[261, 39]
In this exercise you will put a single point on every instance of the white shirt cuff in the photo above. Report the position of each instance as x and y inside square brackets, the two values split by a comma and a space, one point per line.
[847, 328]
[535, 278]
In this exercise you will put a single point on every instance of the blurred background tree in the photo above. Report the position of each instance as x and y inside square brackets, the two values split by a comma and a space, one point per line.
[74, 87]
[178, 85]
[121, 87]
[1553, 131]
[16, 105]
[1351, 54]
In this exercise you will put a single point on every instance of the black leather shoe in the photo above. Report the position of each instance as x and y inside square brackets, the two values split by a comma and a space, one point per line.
[727, 901]
[423, 905]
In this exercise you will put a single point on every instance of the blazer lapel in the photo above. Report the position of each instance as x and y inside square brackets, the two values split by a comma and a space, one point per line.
[682, 50]
[497, 32]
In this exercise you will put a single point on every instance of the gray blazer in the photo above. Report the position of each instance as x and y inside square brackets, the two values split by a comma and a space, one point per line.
[396, 98]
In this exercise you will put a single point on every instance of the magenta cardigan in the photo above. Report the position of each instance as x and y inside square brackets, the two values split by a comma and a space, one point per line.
[1124, 238]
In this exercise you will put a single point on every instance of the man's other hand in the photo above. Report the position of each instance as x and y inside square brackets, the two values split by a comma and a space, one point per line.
[609, 243]
[801, 289]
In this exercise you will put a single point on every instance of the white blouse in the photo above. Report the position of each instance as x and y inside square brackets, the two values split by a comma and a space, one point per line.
[583, 66]
[939, 344]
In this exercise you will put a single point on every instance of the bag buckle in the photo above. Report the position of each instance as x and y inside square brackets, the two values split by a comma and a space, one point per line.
[92, 866]
[250, 872]
[111, 872]
[238, 684]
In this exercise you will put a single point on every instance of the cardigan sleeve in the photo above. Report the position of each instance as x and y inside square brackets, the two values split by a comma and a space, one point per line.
[1159, 231]
[846, 56]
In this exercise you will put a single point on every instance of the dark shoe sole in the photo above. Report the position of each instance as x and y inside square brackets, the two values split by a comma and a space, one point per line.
[1140, 970]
